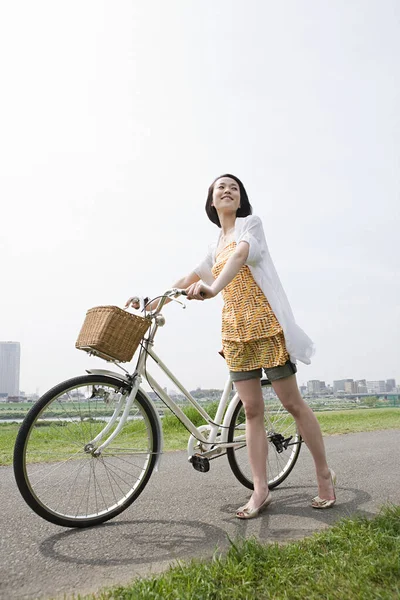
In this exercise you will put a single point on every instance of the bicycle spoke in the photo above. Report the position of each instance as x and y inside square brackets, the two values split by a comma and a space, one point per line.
[73, 487]
[102, 496]
[109, 481]
[130, 463]
[111, 474]
[56, 467]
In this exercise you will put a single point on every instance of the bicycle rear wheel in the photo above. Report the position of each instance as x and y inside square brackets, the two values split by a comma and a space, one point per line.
[60, 476]
[284, 441]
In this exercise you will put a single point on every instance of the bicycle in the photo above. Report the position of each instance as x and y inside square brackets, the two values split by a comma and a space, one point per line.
[87, 448]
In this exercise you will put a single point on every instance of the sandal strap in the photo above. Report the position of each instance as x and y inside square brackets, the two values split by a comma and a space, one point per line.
[322, 502]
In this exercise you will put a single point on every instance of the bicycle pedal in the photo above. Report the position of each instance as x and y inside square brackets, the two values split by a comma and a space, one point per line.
[200, 463]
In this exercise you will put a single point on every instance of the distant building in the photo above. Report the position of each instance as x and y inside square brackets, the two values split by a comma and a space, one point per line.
[9, 368]
[376, 387]
[361, 386]
[350, 387]
[339, 385]
[315, 386]
[390, 385]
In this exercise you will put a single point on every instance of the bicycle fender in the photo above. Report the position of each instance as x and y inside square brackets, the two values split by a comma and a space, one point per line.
[120, 376]
[229, 414]
[159, 429]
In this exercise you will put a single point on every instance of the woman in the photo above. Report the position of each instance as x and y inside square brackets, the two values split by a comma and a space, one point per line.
[258, 332]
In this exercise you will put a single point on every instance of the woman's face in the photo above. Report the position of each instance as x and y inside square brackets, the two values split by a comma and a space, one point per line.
[226, 195]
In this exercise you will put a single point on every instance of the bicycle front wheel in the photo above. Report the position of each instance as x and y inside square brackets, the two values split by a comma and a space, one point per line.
[56, 466]
[284, 441]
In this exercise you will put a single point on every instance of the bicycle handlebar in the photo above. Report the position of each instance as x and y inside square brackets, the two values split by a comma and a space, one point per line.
[169, 294]
[141, 303]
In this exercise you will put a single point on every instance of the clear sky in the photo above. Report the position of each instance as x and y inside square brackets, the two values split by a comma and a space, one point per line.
[116, 116]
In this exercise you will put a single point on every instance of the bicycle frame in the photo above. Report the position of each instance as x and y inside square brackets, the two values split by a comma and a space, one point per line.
[214, 427]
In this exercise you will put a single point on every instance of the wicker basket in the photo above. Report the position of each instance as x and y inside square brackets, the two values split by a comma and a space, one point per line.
[111, 333]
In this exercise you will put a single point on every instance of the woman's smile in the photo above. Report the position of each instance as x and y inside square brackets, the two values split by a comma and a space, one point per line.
[226, 193]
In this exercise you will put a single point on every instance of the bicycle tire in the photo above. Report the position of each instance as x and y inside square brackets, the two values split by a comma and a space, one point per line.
[279, 464]
[66, 419]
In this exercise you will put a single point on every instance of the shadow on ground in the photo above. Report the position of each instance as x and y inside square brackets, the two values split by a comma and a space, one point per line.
[159, 540]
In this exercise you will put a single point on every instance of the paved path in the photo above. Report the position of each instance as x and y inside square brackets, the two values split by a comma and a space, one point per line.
[183, 513]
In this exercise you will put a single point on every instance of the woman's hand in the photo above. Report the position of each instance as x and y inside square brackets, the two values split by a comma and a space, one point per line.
[199, 291]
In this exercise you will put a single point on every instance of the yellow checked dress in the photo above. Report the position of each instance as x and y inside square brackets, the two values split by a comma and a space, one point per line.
[251, 335]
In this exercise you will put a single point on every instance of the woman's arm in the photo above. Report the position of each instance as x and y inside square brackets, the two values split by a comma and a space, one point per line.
[200, 291]
[184, 282]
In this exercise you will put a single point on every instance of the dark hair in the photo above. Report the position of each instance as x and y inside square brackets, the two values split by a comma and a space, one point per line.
[244, 210]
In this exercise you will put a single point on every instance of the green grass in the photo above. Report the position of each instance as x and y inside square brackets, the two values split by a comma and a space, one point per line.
[8, 433]
[356, 559]
[353, 421]
[332, 422]
[176, 436]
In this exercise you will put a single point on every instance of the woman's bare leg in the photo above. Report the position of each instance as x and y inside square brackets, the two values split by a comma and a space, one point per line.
[289, 394]
[257, 445]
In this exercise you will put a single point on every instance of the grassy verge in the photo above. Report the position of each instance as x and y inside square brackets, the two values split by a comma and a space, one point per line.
[357, 559]
[332, 422]
[176, 436]
[353, 421]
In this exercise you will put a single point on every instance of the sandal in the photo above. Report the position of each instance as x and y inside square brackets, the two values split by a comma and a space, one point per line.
[318, 502]
[250, 513]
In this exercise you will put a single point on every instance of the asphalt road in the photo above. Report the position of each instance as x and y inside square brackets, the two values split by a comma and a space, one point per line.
[182, 514]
